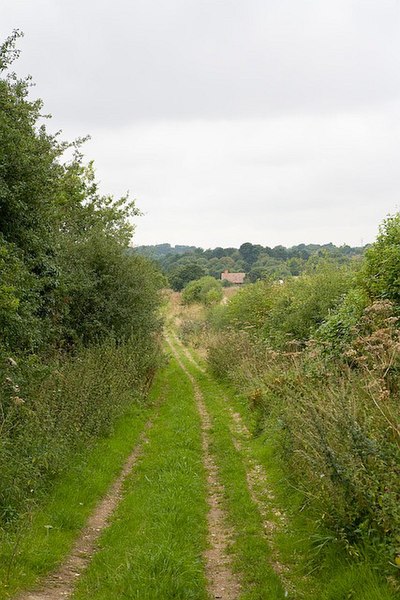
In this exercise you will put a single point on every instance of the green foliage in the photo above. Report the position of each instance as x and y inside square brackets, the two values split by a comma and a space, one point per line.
[78, 313]
[106, 291]
[185, 273]
[300, 305]
[207, 291]
[291, 310]
[66, 275]
[336, 429]
[331, 401]
[50, 410]
[257, 261]
[339, 328]
[250, 307]
[67, 506]
[381, 274]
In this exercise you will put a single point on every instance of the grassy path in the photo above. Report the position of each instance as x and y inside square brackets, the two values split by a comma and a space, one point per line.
[187, 521]
[192, 516]
[189, 525]
[48, 533]
[262, 576]
[222, 582]
[182, 502]
[155, 546]
[272, 550]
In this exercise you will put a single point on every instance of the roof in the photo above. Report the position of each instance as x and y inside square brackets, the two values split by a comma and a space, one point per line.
[233, 277]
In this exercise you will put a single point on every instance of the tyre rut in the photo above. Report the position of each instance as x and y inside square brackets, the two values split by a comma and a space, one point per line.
[223, 583]
[60, 584]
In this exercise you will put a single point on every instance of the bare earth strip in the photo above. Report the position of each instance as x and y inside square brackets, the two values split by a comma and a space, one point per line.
[263, 497]
[222, 581]
[60, 585]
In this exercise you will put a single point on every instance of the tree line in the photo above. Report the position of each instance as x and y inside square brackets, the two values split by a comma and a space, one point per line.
[182, 264]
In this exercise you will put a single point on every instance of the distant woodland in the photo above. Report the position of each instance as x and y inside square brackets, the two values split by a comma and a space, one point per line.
[182, 264]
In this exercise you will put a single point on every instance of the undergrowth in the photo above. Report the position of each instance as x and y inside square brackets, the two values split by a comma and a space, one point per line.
[51, 411]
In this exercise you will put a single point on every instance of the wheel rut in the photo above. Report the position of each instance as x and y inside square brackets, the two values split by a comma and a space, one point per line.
[60, 584]
[223, 583]
[273, 519]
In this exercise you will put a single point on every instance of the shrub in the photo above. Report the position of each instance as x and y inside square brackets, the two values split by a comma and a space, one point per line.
[78, 314]
[207, 291]
[301, 304]
[340, 327]
[381, 272]
[334, 428]
[330, 404]
[291, 311]
[250, 308]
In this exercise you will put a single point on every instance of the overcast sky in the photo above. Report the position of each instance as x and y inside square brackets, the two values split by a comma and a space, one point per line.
[269, 121]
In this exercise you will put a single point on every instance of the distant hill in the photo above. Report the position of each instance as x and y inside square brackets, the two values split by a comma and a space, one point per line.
[163, 250]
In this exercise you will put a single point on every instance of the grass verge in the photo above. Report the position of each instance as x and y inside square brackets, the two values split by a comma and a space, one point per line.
[42, 538]
[155, 544]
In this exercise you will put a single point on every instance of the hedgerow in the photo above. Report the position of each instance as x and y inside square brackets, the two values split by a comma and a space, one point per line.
[78, 312]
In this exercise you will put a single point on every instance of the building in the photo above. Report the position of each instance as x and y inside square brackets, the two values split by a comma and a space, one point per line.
[235, 278]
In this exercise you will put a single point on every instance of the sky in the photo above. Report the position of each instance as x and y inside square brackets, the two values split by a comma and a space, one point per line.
[268, 121]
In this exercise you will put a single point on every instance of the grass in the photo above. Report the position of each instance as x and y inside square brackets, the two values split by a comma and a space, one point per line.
[153, 549]
[250, 548]
[316, 571]
[31, 549]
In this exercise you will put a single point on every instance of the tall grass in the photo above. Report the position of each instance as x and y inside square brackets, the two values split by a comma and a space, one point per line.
[50, 411]
[336, 432]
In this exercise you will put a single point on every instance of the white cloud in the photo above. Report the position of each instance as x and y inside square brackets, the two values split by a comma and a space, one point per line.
[273, 181]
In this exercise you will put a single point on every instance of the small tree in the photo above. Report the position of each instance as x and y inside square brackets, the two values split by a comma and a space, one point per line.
[206, 290]
[381, 273]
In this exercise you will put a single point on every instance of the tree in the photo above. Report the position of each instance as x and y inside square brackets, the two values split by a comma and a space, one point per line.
[185, 273]
[64, 268]
[381, 272]
[249, 253]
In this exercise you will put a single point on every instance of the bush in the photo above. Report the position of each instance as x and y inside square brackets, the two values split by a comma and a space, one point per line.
[381, 273]
[340, 327]
[291, 311]
[335, 430]
[330, 403]
[78, 314]
[251, 306]
[301, 304]
[207, 291]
